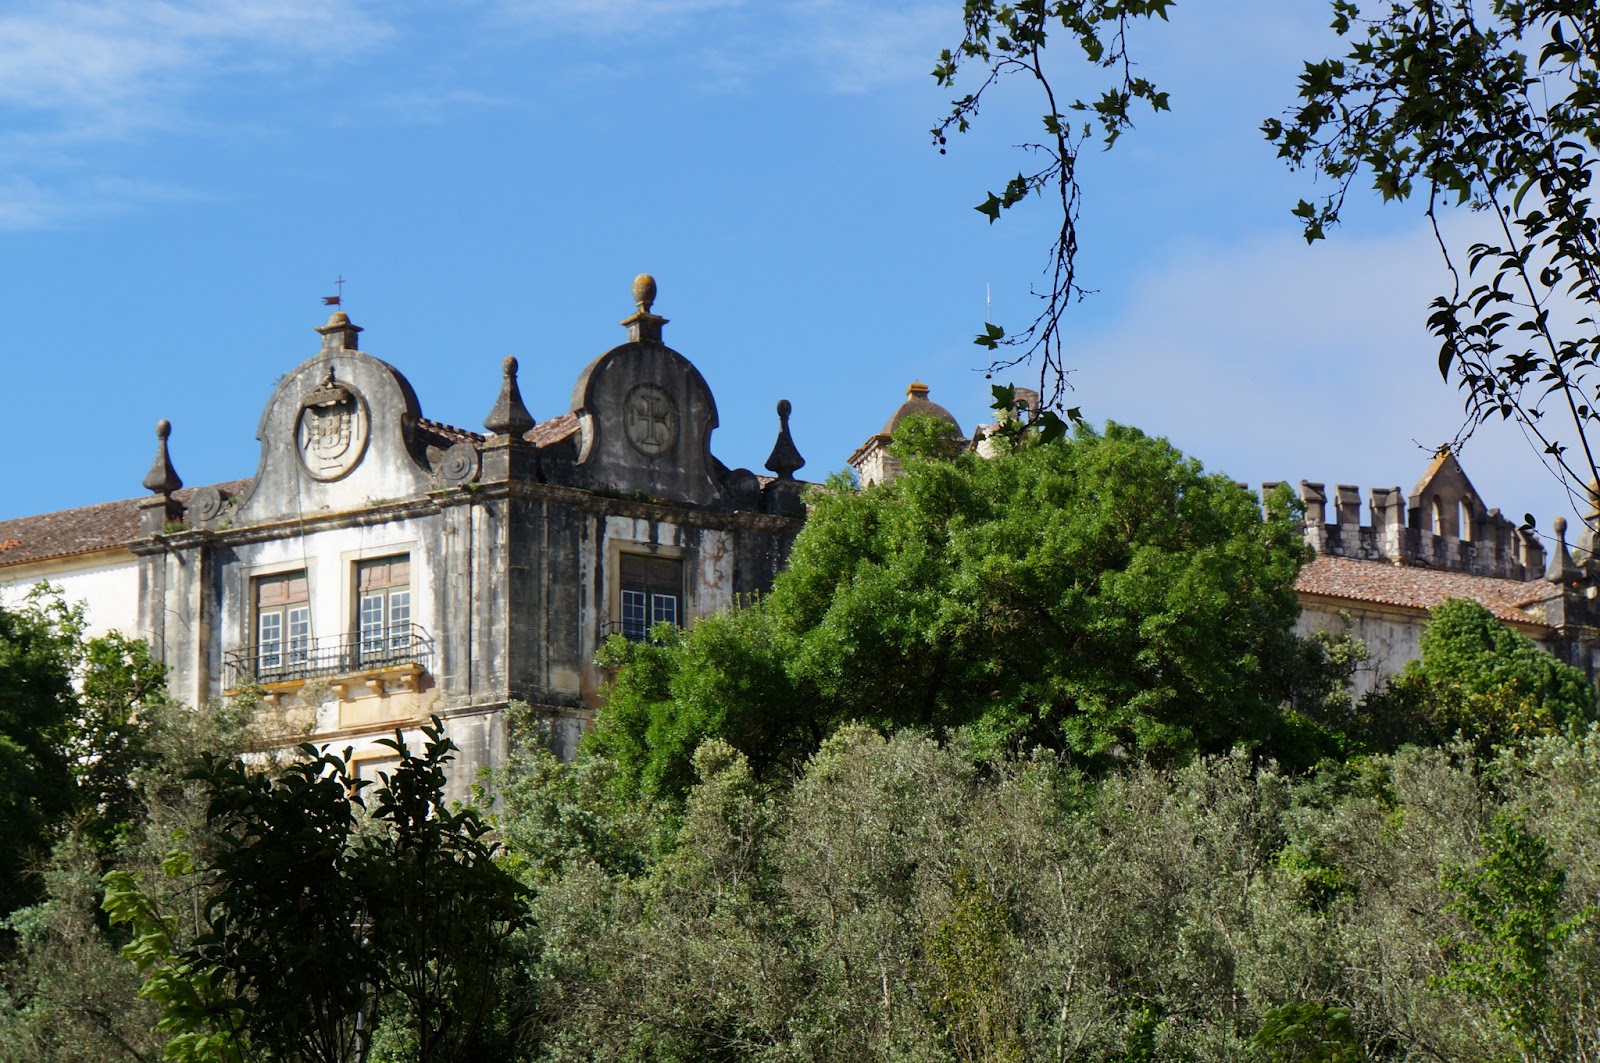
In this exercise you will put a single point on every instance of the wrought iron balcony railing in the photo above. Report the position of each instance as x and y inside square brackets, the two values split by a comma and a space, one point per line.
[290, 660]
[631, 631]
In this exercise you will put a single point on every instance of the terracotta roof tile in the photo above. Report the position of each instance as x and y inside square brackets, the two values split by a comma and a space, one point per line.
[552, 431]
[85, 530]
[1419, 588]
[445, 435]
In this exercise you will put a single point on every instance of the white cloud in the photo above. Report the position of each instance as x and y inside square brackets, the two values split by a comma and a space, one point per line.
[83, 73]
[1323, 350]
[97, 54]
[858, 47]
[27, 204]
[840, 45]
[434, 105]
[607, 17]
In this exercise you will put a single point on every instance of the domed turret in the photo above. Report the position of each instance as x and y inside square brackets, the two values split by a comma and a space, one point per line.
[872, 461]
[918, 404]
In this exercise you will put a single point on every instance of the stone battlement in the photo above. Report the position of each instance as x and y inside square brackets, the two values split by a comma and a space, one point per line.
[1441, 523]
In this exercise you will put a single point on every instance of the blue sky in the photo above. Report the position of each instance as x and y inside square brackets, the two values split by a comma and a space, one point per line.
[181, 182]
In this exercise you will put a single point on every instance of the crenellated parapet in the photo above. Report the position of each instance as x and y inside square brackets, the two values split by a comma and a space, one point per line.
[1442, 523]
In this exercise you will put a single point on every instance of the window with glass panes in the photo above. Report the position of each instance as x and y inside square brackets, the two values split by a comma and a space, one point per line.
[283, 622]
[652, 593]
[383, 607]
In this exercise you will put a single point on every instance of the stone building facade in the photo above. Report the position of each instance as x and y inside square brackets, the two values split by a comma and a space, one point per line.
[1377, 578]
[380, 566]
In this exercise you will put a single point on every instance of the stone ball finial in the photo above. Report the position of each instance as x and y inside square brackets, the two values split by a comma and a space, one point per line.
[338, 318]
[644, 291]
[1560, 525]
[162, 479]
[785, 458]
[509, 417]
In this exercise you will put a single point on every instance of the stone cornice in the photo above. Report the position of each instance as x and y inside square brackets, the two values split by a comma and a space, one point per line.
[434, 502]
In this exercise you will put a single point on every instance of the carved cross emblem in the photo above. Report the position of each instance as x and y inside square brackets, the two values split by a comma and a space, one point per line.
[651, 420]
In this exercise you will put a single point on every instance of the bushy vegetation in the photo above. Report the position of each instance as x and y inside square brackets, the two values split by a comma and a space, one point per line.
[1020, 760]
[904, 898]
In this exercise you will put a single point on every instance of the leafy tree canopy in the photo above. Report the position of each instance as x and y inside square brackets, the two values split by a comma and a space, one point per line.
[38, 650]
[1099, 594]
[317, 928]
[76, 720]
[1479, 678]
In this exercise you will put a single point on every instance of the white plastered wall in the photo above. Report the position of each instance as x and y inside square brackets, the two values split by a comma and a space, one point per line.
[108, 588]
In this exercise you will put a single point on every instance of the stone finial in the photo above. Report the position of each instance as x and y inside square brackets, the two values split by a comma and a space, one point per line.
[162, 479]
[644, 291]
[338, 334]
[509, 416]
[785, 458]
[917, 390]
[643, 326]
[1562, 569]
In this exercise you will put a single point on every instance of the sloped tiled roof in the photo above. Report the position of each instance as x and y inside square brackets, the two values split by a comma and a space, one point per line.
[1383, 583]
[85, 530]
[552, 431]
[445, 435]
[437, 433]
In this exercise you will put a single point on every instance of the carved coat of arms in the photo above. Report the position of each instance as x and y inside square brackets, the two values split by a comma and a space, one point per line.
[332, 432]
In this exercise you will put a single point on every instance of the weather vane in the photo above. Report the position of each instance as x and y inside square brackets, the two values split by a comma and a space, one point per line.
[335, 300]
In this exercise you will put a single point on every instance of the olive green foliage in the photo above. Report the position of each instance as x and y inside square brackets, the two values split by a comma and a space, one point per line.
[66, 995]
[1480, 679]
[972, 997]
[1312, 1033]
[315, 924]
[77, 724]
[922, 436]
[907, 899]
[1101, 595]
[1512, 901]
[38, 652]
